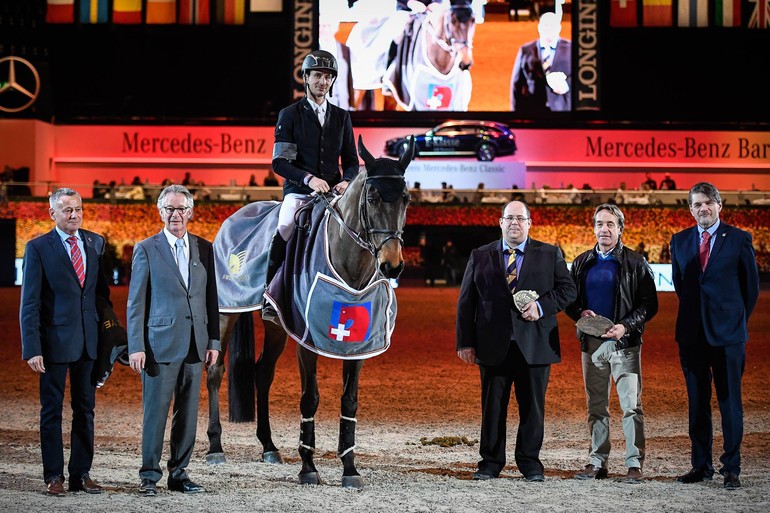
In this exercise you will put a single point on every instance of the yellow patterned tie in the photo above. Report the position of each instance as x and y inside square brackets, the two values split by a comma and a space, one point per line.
[511, 271]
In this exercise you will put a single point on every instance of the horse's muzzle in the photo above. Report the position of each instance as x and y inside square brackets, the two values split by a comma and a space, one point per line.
[466, 65]
[390, 271]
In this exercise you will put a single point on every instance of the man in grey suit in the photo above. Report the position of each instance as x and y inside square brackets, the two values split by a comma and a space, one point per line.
[173, 327]
[59, 333]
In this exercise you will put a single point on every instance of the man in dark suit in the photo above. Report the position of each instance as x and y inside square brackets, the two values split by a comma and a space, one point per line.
[59, 332]
[716, 278]
[173, 327]
[542, 71]
[512, 347]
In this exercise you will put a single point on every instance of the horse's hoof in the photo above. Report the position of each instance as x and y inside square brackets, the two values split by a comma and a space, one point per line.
[216, 458]
[271, 457]
[352, 482]
[310, 478]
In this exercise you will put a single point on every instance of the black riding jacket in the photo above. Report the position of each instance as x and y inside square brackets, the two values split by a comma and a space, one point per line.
[636, 300]
[302, 146]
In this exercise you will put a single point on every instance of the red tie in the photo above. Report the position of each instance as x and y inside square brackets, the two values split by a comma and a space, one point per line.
[703, 252]
[77, 260]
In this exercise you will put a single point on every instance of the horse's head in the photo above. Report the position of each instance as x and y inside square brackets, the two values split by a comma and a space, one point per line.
[384, 197]
[460, 28]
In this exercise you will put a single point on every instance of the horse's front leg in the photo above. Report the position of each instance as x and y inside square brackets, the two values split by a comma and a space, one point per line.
[308, 406]
[351, 369]
[275, 343]
[216, 454]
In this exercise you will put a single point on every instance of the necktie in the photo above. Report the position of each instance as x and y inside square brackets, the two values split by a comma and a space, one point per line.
[703, 252]
[321, 114]
[512, 275]
[77, 260]
[547, 58]
[181, 260]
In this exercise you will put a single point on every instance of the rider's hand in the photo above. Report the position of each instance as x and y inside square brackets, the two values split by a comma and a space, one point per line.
[319, 185]
[341, 187]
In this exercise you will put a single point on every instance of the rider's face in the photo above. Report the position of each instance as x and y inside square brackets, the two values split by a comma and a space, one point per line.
[318, 84]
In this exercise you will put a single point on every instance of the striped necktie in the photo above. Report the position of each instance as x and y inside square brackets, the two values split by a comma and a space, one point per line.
[511, 273]
[77, 260]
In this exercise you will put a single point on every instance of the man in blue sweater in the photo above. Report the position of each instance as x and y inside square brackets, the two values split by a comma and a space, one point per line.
[617, 283]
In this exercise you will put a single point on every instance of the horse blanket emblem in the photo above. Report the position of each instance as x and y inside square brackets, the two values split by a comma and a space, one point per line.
[319, 310]
[240, 252]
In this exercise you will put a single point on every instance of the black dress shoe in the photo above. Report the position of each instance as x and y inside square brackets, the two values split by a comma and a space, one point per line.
[695, 475]
[184, 486]
[148, 488]
[534, 478]
[483, 475]
[731, 481]
[84, 484]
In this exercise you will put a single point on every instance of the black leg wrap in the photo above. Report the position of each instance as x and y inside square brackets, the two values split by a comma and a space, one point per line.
[307, 435]
[347, 440]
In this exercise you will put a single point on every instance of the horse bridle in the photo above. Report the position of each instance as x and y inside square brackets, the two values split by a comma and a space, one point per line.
[364, 220]
[449, 45]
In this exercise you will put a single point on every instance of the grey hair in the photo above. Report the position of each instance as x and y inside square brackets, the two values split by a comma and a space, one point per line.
[614, 210]
[707, 189]
[58, 193]
[175, 189]
[526, 207]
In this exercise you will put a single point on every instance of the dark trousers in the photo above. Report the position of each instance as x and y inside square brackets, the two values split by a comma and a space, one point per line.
[530, 383]
[82, 394]
[700, 362]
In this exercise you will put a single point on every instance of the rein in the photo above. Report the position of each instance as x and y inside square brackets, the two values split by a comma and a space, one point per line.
[363, 218]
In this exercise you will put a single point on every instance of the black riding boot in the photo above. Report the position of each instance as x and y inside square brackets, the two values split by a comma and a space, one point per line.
[275, 258]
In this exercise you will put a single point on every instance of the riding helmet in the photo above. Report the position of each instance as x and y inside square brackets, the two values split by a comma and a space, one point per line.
[320, 60]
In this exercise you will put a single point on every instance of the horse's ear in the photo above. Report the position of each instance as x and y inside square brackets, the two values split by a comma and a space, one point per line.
[408, 155]
[365, 155]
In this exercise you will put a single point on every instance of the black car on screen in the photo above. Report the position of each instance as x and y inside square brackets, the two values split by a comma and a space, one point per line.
[483, 139]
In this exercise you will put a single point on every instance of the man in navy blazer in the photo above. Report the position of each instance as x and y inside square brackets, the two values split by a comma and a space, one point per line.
[173, 328]
[512, 347]
[716, 278]
[59, 333]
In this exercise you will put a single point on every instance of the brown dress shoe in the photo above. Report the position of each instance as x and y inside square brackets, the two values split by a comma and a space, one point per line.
[55, 487]
[634, 475]
[84, 484]
[592, 472]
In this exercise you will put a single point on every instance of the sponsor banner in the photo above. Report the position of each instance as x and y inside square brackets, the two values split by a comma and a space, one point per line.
[586, 30]
[466, 173]
[559, 148]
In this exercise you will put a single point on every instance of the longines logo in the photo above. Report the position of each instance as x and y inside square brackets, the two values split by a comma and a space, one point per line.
[19, 84]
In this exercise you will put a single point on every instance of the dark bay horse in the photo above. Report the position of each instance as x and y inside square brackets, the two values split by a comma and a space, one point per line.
[364, 242]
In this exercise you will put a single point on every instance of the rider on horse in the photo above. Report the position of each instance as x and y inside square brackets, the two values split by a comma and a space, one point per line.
[311, 138]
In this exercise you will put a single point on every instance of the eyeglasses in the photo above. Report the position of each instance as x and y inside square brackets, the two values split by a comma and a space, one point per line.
[518, 219]
[170, 210]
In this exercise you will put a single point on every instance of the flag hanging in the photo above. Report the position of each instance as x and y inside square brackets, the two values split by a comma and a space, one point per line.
[657, 13]
[161, 11]
[60, 11]
[760, 14]
[727, 13]
[93, 11]
[693, 13]
[194, 12]
[623, 13]
[231, 12]
[127, 11]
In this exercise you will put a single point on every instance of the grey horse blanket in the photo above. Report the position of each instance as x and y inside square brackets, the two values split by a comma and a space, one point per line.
[315, 306]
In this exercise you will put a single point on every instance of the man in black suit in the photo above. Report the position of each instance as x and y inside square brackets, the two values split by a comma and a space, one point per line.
[59, 333]
[542, 71]
[512, 347]
[716, 278]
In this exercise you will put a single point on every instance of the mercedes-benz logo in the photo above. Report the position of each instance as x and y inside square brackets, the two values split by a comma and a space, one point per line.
[19, 84]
